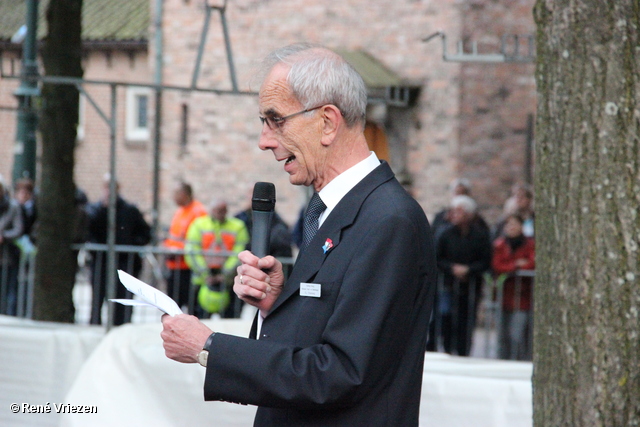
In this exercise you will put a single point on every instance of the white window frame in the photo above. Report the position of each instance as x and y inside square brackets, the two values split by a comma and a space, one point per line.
[81, 117]
[133, 131]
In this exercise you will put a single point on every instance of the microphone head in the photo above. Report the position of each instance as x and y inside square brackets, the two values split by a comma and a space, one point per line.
[264, 197]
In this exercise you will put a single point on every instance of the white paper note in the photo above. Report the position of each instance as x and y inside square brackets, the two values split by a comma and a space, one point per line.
[148, 295]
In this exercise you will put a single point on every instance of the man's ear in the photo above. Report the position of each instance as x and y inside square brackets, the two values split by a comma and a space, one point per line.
[332, 120]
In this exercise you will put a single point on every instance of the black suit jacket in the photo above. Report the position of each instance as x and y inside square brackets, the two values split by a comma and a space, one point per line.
[354, 356]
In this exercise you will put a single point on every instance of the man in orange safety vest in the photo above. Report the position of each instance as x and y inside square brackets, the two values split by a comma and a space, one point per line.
[178, 272]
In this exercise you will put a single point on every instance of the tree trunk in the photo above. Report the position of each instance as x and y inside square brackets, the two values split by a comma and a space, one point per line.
[587, 330]
[55, 261]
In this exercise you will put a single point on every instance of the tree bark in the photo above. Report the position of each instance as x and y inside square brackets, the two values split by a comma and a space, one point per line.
[587, 330]
[55, 262]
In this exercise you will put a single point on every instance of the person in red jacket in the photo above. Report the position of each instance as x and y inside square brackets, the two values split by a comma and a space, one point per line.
[513, 252]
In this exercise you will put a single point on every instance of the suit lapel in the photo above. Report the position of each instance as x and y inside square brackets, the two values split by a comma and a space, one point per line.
[330, 233]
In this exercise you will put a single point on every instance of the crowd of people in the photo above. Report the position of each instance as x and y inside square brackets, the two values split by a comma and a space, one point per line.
[471, 253]
[196, 278]
[467, 249]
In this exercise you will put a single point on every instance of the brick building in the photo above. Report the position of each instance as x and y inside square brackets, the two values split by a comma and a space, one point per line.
[115, 45]
[434, 120]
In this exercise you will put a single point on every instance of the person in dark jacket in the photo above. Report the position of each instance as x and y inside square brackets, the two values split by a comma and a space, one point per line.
[131, 229]
[463, 253]
[11, 228]
[24, 194]
[459, 187]
[342, 342]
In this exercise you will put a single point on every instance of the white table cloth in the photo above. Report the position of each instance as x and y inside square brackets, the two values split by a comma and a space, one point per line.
[127, 378]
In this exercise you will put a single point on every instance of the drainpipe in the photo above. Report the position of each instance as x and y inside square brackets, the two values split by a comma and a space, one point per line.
[157, 80]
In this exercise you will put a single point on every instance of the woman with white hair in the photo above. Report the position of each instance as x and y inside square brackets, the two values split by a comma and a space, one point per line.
[441, 221]
[463, 252]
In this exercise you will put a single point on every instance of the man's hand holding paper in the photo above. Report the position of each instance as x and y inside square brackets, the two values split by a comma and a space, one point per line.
[183, 337]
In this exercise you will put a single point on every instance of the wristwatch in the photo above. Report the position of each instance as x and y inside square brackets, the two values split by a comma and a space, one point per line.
[203, 356]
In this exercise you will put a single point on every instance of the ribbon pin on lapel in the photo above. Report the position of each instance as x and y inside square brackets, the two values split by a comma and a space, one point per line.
[328, 244]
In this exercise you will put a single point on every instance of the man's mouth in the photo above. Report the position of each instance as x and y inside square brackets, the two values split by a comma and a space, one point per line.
[289, 160]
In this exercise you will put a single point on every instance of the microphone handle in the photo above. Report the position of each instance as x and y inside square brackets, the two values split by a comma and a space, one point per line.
[260, 233]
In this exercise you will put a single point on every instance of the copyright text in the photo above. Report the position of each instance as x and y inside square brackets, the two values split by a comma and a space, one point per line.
[56, 408]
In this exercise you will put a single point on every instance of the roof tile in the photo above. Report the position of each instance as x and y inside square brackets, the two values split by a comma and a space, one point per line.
[102, 20]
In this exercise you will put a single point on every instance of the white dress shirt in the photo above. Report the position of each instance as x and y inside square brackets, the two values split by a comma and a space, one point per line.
[334, 191]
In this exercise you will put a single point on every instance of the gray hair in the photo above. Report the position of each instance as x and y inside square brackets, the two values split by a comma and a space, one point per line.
[460, 181]
[465, 202]
[319, 76]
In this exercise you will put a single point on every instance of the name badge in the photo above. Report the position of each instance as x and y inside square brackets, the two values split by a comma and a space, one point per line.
[310, 290]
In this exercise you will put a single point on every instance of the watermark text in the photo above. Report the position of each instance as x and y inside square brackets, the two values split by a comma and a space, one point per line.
[55, 408]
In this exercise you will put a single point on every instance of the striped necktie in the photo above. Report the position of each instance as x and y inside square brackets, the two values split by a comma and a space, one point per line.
[311, 219]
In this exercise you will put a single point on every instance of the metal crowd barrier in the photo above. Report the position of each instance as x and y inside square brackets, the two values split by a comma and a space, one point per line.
[477, 309]
[454, 316]
[511, 343]
[17, 273]
[484, 315]
[16, 281]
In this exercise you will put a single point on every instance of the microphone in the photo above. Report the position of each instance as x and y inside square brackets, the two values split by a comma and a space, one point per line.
[262, 205]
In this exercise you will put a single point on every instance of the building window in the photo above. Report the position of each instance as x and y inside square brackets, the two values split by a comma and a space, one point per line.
[138, 113]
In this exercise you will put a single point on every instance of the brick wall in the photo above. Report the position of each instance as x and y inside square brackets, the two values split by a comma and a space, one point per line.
[8, 114]
[133, 159]
[469, 120]
[496, 100]
[92, 157]
[224, 130]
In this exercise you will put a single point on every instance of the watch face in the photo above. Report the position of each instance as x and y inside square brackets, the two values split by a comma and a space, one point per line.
[202, 357]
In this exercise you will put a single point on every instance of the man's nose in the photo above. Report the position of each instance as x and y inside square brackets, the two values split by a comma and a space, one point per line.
[267, 139]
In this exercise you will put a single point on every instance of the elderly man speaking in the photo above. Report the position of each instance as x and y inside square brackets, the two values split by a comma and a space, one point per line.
[341, 343]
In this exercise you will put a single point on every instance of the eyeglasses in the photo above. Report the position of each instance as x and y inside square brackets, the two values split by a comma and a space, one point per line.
[277, 122]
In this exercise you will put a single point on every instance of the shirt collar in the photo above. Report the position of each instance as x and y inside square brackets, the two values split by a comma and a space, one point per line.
[334, 191]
